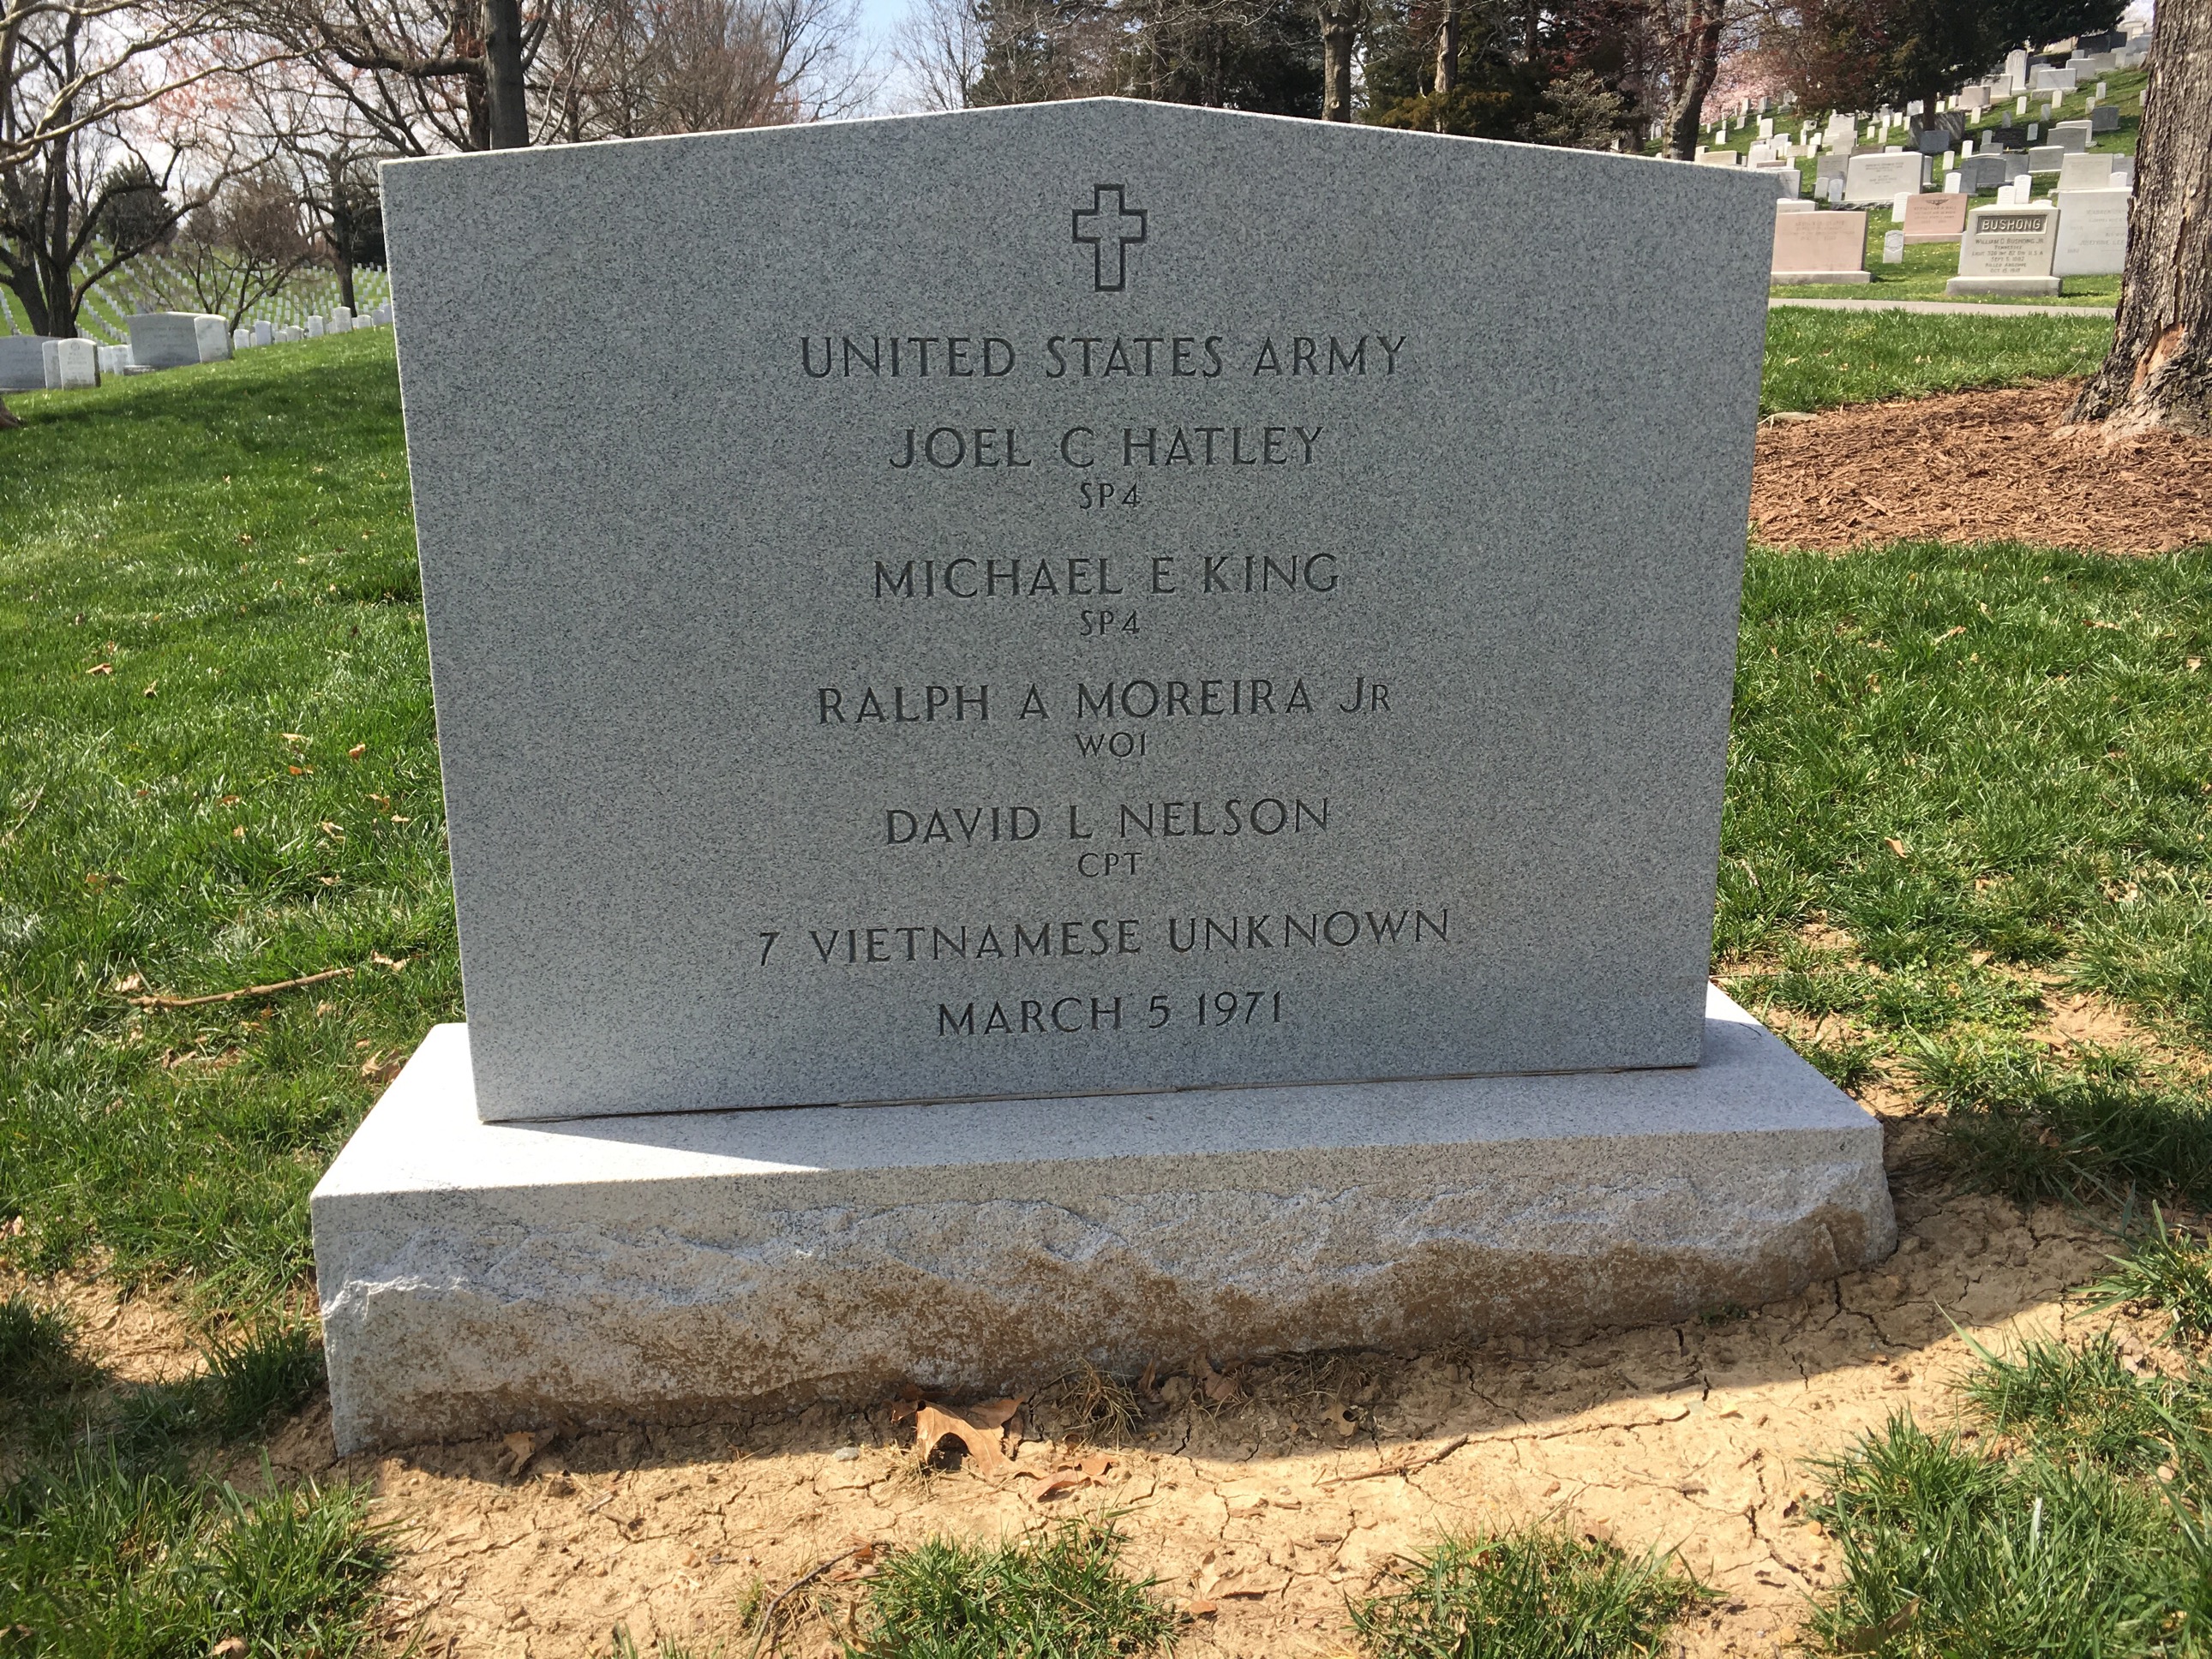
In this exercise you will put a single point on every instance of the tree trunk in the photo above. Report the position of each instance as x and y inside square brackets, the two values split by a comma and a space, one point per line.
[1530, 25]
[503, 89]
[1448, 50]
[8, 422]
[1697, 63]
[1340, 32]
[2159, 372]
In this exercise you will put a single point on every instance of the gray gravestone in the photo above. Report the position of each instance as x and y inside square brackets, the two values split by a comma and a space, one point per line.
[2105, 118]
[2087, 172]
[1041, 609]
[164, 339]
[23, 362]
[2092, 232]
[2072, 137]
[1880, 179]
[263, 333]
[1979, 173]
[2046, 158]
[1066, 708]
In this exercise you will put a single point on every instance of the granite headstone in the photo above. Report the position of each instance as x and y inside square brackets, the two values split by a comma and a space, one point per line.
[1056, 601]
[1053, 599]
[23, 362]
[2087, 172]
[2092, 232]
[1880, 178]
[1939, 216]
[166, 339]
[2008, 250]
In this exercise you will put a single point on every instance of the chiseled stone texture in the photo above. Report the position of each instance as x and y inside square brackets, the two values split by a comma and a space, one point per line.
[477, 1278]
[664, 851]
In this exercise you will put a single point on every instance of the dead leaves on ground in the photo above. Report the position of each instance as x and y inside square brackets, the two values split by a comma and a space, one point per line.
[520, 1448]
[982, 1430]
[1070, 1475]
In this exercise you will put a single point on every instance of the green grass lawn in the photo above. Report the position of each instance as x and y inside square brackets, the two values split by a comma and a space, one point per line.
[218, 770]
[1817, 359]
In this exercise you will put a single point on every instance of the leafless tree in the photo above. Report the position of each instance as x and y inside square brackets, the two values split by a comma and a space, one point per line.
[627, 68]
[73, 75]
[327, 152]
[940, 44]
[78, 210]
[417, 73]
[239, 248]
[2159, 370]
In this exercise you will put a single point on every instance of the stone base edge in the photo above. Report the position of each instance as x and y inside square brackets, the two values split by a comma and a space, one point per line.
[1806, 278]
[655, 1275]
[2044, 286]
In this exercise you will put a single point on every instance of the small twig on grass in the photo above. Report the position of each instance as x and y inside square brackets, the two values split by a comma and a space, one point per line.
[768, 1613]
[1404, 1466]
[22, 817]
[158, 1000]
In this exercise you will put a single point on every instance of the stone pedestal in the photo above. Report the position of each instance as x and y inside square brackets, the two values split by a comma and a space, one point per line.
[478, 1276]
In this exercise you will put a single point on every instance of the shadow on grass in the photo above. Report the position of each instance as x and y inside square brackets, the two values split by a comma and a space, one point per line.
[114, 1544]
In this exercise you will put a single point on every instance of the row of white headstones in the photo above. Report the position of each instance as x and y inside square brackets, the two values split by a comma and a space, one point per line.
[340, 321]
[81, 364]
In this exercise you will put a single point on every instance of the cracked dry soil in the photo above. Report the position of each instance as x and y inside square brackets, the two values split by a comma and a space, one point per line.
[1260, 1515]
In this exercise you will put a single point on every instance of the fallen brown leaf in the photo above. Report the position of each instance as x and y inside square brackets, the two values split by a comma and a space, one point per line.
[101, 668]
[1069, 1477]
[981, 1429]
[1220, 1387]
[521, 1446]
[1895, 846]
[357, 751]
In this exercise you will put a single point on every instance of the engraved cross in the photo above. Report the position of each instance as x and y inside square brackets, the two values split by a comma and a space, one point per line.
[1111, 231]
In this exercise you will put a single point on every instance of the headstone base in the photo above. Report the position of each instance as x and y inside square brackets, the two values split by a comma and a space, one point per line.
[1913, 240]
[1803, 278]
[2043, 286]
[479, 1278]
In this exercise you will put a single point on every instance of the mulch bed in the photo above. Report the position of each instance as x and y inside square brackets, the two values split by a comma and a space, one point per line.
[1978, 466]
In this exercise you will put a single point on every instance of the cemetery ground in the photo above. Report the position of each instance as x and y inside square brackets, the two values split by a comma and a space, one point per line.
[1964, 870]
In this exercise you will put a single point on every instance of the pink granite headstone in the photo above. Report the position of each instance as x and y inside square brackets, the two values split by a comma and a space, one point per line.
[1820, 247]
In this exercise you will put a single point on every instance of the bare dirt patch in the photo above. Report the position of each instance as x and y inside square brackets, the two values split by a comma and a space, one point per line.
[1978, 466]
[132, 1336]
[1260, 1513]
